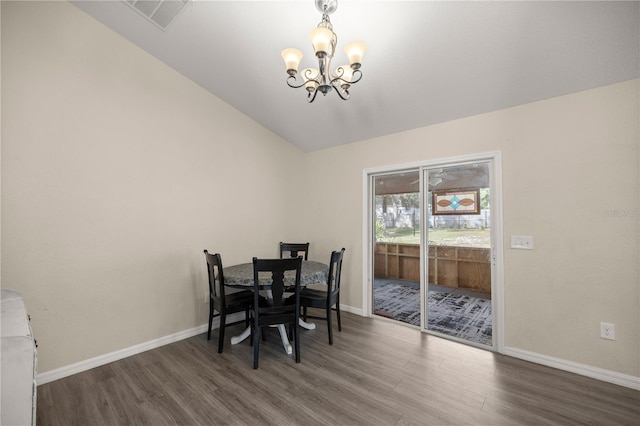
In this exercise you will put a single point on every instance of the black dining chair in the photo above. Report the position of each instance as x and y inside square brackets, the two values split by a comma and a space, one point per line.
[326, 299]
[221, 301]
[294, 250]
[283, 304]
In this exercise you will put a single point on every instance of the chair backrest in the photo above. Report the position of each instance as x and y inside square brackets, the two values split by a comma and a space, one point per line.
[216, 276]
[335, 271]
[294, 249]
[279, 282]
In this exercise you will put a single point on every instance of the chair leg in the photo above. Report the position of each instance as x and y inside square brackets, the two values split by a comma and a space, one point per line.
[223, 320]
[296, 337]
[338, 313]
[210, 320]
[256, 346]
[304, 313]
[329, 324]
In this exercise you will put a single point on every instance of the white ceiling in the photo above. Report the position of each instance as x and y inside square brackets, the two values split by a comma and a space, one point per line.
[427, 61]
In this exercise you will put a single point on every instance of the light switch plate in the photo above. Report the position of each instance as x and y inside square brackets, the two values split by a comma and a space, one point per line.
[522, 242]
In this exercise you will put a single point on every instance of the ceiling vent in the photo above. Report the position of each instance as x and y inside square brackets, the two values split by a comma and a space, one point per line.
[160, 12]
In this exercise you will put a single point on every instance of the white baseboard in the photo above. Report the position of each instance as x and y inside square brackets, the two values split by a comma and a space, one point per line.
[351, 309]
[561, 364]
[88, 364]
[574, 367]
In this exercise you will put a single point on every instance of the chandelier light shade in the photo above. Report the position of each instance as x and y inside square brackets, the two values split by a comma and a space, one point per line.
[292, 59]
[324, 42]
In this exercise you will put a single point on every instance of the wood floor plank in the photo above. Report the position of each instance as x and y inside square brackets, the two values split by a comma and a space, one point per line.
[375, 373]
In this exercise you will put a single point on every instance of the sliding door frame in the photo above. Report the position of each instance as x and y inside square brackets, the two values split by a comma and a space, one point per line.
[497, 255]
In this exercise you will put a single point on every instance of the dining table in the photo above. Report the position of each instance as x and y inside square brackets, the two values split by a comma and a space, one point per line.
[241, 276]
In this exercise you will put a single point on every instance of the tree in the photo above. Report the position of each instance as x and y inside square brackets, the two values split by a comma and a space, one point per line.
[485, 198]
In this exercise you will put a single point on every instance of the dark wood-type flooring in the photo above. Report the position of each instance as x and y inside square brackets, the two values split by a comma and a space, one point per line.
[376, 373]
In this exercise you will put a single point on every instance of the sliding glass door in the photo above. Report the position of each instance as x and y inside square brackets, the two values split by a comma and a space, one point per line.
[396, 209]
[432, 252]
[458, 253]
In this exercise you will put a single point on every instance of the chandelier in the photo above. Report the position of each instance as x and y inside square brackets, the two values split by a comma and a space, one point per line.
[324, 42]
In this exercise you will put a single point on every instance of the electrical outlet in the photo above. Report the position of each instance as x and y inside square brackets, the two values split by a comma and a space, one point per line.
[607, 331]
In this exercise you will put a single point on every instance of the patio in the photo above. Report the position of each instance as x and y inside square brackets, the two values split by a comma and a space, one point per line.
[458, 313]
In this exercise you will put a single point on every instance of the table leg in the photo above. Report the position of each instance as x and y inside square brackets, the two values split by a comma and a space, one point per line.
[283, 335]
[285, 339]
[307, 325]
[241, 337]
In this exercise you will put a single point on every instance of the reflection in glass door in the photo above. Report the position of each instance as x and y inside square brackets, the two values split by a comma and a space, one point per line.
[458, 236]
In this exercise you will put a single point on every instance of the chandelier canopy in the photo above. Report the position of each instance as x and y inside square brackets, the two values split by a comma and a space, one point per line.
[324, 42]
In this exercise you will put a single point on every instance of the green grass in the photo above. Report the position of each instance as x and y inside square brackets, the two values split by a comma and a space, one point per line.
[441, 236]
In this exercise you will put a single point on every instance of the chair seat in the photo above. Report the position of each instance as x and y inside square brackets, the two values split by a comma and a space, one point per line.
[239, 298]
[287, 303]
[309, 293]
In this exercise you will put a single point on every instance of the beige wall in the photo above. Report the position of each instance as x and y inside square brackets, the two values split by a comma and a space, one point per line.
[110, 161]
[566, 162]
[116, 173]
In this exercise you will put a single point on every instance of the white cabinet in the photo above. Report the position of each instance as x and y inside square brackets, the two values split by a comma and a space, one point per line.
[19, 361]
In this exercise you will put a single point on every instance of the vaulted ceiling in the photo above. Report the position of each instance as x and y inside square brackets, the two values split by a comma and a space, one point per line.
[427, 61]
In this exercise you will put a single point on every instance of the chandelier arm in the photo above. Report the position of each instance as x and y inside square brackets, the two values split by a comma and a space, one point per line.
[356, 73]
[340, 73]
[336, 79]
[311, 96]
[340, 91]
[292, 78]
